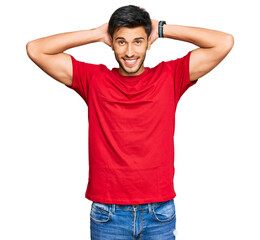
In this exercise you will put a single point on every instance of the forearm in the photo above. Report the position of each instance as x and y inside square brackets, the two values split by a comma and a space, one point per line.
[202, 37]
[60, 42]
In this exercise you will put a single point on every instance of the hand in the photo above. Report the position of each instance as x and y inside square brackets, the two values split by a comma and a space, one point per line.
[106, 38]
[154, 33]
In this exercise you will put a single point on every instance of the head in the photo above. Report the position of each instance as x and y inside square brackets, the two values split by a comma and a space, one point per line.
[130, 28]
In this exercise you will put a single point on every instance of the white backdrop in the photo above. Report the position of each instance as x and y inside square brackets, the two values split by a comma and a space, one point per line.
[44, 124]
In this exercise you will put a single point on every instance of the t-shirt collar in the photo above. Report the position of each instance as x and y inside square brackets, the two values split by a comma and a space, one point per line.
[131, 78]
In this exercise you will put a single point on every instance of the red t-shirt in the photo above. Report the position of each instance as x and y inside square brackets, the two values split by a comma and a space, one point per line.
[131, 129]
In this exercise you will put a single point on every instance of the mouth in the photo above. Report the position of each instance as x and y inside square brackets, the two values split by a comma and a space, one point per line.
[130, 62]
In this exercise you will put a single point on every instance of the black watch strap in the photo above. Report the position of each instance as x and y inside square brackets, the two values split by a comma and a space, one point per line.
[160, 28]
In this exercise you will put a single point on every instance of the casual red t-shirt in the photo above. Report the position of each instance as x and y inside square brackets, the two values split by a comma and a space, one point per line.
[131, 129]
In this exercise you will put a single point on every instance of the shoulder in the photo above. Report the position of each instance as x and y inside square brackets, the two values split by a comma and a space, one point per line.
[163, 65]
[88, 66]
[174, 63]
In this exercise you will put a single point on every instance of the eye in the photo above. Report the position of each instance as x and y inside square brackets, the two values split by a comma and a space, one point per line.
[121, 42]
[138, 42]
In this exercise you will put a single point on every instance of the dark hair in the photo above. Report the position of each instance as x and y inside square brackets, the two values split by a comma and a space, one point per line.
[130, 16]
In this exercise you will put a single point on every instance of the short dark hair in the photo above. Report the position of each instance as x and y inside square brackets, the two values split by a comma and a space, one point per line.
[130, 16]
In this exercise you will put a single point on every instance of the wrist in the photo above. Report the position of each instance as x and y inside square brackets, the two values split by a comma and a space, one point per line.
[166, 31]
[172, 31]
[97, 34]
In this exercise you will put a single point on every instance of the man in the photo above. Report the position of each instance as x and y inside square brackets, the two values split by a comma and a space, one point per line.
[131, 113]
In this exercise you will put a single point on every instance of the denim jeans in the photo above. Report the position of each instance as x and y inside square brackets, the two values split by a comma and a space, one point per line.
[151, 221]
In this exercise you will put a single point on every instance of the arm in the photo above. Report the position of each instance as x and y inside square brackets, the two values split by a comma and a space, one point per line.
[48, 52]
[213, 46]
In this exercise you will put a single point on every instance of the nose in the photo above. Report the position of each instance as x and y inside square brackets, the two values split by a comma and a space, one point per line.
[129, 51]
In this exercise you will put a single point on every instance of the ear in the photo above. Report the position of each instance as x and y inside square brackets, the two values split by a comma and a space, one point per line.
[149, 43]
[112, 44]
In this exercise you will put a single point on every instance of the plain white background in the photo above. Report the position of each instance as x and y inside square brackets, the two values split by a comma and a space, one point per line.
[44, 124]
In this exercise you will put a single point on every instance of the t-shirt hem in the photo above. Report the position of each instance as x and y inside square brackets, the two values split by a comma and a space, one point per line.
[73, 73]
[127, 202]
[190, 83]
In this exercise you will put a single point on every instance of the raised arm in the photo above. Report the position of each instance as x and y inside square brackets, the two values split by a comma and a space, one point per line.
[48, 52]
[213, 45]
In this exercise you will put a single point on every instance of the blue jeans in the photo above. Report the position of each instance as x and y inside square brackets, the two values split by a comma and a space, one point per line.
[151, 221]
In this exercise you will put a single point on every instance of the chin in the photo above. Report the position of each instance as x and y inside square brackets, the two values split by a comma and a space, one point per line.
[131, 70]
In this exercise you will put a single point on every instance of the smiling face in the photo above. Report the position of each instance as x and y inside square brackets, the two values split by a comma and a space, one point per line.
[129, 46]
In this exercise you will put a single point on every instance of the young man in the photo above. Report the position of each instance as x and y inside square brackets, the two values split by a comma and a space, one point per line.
[131, 113]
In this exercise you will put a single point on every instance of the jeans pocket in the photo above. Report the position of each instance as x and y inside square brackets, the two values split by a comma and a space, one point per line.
[164, 212]
[100, 213]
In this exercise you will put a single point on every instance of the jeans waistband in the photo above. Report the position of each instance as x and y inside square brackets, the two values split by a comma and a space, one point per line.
[135, 207]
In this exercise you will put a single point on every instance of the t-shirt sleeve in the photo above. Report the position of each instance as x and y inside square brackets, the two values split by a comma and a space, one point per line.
[82, 75]
[181, 76]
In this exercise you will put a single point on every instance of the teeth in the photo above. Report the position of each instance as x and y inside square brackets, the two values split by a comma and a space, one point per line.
[130, 61]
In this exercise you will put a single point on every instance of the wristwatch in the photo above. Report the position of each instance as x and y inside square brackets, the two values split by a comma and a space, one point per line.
[160, 28]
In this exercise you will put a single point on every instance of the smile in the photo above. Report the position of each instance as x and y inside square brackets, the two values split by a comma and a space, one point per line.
[131, 62]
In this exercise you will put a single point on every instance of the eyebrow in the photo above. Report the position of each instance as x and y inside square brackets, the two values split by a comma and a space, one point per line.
[134, 39]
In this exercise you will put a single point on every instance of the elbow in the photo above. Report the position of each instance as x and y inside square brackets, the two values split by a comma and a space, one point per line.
[224, 46]
[31, 50]
[228, 43]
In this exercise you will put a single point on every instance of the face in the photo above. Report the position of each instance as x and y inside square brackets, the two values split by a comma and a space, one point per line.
[129, 46]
